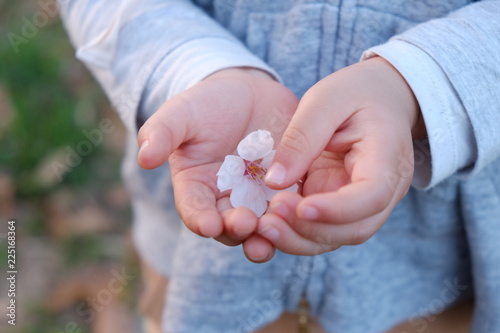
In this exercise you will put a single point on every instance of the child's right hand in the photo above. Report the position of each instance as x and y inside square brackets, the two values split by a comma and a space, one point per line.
[352, 136]
[196, 129]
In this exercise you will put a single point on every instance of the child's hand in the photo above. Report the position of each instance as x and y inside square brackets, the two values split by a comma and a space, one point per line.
[196, 129]
[352, 134]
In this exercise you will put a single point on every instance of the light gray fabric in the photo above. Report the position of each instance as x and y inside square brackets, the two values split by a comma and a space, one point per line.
[435, 243]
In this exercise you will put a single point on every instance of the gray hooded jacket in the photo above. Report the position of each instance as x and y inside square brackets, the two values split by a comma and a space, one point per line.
[442, 241]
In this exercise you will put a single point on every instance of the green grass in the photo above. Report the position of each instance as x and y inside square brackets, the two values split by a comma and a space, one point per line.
[80, 249]
[45, 85]
[43, 95]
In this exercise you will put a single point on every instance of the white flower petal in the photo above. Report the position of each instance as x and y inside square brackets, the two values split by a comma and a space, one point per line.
[270, 193]
[266, 161]
[255, 145]
[248, 193]
[230, 173]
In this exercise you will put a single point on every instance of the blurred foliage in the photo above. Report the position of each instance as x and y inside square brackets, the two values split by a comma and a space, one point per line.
[82, 248]
[49, 100]
[48, 89]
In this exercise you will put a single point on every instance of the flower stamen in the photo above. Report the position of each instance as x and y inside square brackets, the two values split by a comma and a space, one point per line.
[244, 174]
[254, 170]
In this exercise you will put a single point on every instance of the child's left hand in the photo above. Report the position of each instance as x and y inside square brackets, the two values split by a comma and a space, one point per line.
[352, 137]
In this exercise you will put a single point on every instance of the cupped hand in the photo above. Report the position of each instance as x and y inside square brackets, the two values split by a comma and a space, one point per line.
[196, 129]
[352, 139]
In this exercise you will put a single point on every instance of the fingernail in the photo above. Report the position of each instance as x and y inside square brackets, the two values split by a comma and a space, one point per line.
[258, 259]
[144, 144]
[309, 213]
[270, 233]
[279, 208]
[276, 174]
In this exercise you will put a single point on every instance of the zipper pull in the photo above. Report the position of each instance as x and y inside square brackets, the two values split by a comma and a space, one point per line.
[303, 314]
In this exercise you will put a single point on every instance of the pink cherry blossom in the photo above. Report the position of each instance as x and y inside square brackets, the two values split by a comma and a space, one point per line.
[244, 174]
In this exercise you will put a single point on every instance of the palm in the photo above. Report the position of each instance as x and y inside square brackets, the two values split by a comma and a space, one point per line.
[217, 123]
[327, 174]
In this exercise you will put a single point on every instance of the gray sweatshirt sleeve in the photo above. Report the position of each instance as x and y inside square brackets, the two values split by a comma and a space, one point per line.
[453, 66]
[143, 52]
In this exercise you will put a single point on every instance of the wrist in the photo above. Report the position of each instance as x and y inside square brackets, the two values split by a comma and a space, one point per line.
[408, 100]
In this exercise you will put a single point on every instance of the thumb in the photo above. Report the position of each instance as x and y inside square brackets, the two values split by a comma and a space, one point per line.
[307, 135]
[163, 133]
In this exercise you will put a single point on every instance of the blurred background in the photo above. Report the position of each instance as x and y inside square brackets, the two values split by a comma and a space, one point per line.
[61, 146]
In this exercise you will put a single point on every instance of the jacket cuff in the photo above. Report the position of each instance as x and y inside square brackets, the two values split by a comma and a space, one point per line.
[190, 64]
[448, 146]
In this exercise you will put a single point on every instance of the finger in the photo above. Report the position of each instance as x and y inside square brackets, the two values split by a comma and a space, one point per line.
[276, 226]
[196, 205]
[239, 223]
[277, 231]
[257, 249]
[284, 204]
[225, 209]
[326, 236]
[164, 132]
[307, 135]
[369, 192]
[349, 204]
[345, 234]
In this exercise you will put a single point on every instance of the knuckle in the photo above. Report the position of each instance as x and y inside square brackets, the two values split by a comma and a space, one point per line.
[306, 230]
[295, 140]
[382, 201]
